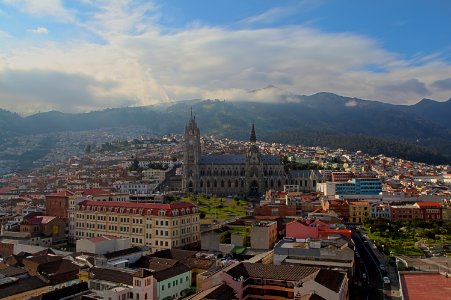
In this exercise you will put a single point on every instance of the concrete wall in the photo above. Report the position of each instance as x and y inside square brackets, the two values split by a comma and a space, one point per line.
[237, 239]
[264, 236]
[209, 240]
[102, 247]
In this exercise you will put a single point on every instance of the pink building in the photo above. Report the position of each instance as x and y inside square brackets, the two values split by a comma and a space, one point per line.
[304, 229]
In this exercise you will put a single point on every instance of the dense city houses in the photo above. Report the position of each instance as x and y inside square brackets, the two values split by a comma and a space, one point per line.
[133, 218]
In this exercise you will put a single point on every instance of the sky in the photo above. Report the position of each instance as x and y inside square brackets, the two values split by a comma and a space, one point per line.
[83, 55]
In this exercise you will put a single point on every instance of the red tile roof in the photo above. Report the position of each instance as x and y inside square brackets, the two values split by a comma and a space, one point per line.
[147, 208]
[361, 203]
[429, 204]
[36, 220]
[413, 286]
[6, 189]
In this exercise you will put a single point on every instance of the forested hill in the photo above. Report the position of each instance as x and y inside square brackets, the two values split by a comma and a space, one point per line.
[420, 132]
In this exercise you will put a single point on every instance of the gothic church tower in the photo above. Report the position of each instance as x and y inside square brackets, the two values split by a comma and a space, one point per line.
[254, 167]
[191, 156]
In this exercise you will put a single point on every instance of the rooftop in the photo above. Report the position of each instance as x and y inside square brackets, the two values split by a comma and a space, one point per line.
[99, 239]
[413, 286]
[278, 272]
[141, 208]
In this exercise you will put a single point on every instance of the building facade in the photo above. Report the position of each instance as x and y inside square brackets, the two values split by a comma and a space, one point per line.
[159, 226]
[359, 211]
[250, 174]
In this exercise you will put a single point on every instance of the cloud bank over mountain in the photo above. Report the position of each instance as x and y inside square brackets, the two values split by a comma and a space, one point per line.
[118, 53]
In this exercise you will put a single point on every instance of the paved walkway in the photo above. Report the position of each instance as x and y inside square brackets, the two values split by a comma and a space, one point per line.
[432, 264]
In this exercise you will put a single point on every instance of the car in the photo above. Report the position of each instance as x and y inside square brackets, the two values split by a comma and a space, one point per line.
[364, 276]
[386, 280]
[382, 267]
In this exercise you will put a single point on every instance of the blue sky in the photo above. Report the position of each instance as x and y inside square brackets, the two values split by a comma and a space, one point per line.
[81, 55]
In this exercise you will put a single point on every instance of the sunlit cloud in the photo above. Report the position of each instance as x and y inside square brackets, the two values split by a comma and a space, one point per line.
[39, 30]
[138, 62]
[43, 8]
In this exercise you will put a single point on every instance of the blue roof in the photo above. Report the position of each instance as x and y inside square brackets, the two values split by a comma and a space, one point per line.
[229, 159]
[226, 159]
[271, 160]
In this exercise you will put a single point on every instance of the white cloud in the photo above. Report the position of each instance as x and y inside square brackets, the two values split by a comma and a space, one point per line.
[39, 30]
[4, 34]
[43, 8]
[149, 64]
[277, 13]
[351, 103]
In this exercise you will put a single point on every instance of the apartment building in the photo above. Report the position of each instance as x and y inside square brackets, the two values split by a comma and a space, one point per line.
[430, 210]
[136, 187]
[160, 226]
[261, 281]
[405, 212]
[380, 211]
[358, 211]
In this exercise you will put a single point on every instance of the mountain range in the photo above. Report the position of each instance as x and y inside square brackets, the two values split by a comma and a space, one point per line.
[420, 132]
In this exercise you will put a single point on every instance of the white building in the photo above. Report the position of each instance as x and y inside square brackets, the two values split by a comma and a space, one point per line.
[102, 244]
[135, 187]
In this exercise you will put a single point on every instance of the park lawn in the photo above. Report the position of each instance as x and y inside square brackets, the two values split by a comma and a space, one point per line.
[218, 208]
[395, 244]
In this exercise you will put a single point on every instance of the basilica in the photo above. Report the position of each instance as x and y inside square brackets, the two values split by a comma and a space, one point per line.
[249, 174]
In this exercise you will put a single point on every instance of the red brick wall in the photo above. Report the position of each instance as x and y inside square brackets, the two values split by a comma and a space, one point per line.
[6, 249]
[57, 206]
[280, 210]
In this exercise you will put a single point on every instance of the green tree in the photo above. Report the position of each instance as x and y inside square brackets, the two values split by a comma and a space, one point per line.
[135, 165]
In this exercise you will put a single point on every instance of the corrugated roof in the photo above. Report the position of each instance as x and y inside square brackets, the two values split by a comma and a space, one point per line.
[278, 272]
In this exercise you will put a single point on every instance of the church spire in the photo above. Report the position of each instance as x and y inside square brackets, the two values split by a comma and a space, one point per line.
[253, 137]
[191, 113]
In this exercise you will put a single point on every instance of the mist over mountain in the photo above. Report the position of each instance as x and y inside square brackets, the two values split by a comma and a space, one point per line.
[420, 132]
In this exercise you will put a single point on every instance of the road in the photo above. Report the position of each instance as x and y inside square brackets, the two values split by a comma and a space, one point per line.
[373, 287]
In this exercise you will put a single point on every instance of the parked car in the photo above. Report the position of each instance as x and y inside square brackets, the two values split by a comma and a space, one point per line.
[386, 280]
